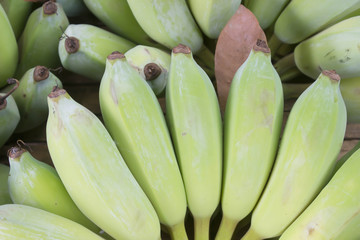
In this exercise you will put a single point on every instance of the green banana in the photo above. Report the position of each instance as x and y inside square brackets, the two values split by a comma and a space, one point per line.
[4, 189]
[9, 113]
[351, 230]
[344, 158]
[169, 22]
[336, 48]
[311, 141]
[194, 120]
[38, 43]
[303, 18]
[73, 8]
[252, 125]
[117, 15]
[25, 222]
[267, 12]
[36, 184]
[31, 97]
[8, 49]
[94, 173]
[212, 15]
[152, 64]
[17, 12]
[335, 208]
[83, 49]
[133, 117]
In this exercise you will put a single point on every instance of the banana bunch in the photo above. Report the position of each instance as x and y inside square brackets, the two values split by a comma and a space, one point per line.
[4, 189]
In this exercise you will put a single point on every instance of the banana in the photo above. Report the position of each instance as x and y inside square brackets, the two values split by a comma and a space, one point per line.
[4, 189]
[252, 124]
[38, 43]
[168, 22]
[194, 120]
[8, 49]
[94, 173]
[351, 230]
[303, 18]
[152, 64]
[336, 48]
[83, 49]
[31, 97]
[266, 12]
[9, 113]
[133, 117]
[212, 15]
[344, 158]
[73, 8]
[335, 208]
[36, 184]
[311, 141]
[25, 222]
[117, 15]
[17, 12]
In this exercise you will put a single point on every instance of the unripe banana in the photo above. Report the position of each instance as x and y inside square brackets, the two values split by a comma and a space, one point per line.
[194, 119]
[335, 48]
[83, 49]
[25, 222]
[31, 97]
[9, 113]
[212, 15]
[351, 231]
[8, 49]
[302, 18]
[36, 184]
[311, 141]
[38, 43]
[4, 189]
[168, 22]
[252, 124]
[73, 8]
[94, 173]
[17, 12]
[117, 15]
[133, 117]
[266, 12]
[335, 208]
[152, 64]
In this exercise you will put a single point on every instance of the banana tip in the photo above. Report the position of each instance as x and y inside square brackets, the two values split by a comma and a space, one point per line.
[56, 92]
[72, 45]
[151, 71]
[331, 74]
[15, 152]
[181, 48]
[261, 46]
[116, 55]
[49, 7]
[40, 73]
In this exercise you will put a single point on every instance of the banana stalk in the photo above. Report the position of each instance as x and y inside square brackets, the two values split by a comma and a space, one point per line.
[133, 116]
[25, 222]
[311, 141]
[95, 174]
[194, 119]
[252, 124]
[36, 184]
[83, 49]
[4, 189]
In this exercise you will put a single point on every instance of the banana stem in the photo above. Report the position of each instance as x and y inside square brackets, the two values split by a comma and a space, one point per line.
[274, 44]
[290, 74]
[251, 235]
[294, 90]
[178, 232]
[206, 59]
[226, 229]
[285, 63]
[202, 228]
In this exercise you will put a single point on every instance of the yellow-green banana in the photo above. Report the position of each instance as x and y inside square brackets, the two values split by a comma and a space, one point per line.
[252, 124]
[8, 49]
[337, 48]
[335, 208]
[133, 117]
[83, 49]
[9, 113]
[302, 18]
[25, 222]
[37, 184]
[38, 43]
[212, 15]
[117, 15]
[4, 189]
[95, 174]
[194, 119]
[311, 141]
[17, 12]
[152, 64]
[168, 22]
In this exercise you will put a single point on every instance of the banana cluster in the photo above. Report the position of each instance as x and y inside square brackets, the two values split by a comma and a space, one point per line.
[146, 169]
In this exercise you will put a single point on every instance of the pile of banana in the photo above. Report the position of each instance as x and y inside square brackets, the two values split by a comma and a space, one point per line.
[142, 171]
